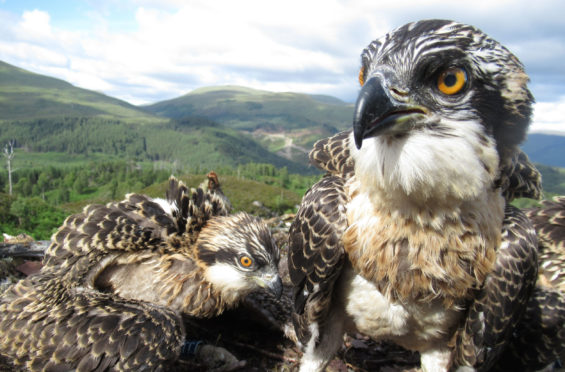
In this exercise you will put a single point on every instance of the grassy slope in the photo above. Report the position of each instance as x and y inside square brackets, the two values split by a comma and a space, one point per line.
[250, 110]
[25, 95]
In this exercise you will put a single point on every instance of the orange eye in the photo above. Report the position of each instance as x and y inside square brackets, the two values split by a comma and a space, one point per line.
[452, 80]
[362, 75]
[245, 261]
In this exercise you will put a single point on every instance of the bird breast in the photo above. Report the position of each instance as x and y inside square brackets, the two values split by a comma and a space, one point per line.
[413, 325]
[423, 253]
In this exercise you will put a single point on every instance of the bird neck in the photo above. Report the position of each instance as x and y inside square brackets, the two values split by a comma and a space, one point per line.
[428, 169]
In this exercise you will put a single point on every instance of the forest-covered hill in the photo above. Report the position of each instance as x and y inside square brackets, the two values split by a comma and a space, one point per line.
[287, 124]
[25, 95]
[47, 115]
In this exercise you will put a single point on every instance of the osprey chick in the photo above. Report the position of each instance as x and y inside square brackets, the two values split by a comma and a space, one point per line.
[409, 237]
[117, 278]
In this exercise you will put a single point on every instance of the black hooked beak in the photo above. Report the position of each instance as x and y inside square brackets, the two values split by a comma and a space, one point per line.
[276, 287]
[378, 112]
[272, 283]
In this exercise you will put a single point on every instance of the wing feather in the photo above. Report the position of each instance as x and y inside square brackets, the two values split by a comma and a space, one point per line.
[54, 329]
[194, 207]
[499, 304]
[519, 178]
[539, 339]
[316, 251]
[332, 155]
[549, 221]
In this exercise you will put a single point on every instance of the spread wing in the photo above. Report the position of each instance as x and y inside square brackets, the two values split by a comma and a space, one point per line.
[499, 304]
[45, 328]
[134, 224]
[316, 252]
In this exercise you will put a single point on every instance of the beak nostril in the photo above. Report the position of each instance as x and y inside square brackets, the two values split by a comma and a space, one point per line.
[399, 92]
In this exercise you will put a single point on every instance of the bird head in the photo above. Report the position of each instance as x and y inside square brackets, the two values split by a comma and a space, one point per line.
[441, 103]
[239, 256]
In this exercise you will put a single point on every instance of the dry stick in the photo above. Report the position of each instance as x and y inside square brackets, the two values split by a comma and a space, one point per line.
[32, 249]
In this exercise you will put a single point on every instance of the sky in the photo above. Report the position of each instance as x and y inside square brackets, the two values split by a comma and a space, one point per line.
[145, 51]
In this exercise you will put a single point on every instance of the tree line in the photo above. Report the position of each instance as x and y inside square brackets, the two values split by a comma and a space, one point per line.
[192, 141]
[43, 197]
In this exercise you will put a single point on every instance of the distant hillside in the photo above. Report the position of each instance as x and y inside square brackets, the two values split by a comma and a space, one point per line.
[285, 123]
[47, 115]
[25, 95]
[250, 109]
[553, 179]
[548, 149]
[192, 143]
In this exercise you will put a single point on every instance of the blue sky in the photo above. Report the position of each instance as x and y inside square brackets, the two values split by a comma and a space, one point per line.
[144, 51]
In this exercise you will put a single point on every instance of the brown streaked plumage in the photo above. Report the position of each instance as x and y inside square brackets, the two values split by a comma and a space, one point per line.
[549, 221]
[539, 338]
[213, 186]
[410, 236]
[117, 278]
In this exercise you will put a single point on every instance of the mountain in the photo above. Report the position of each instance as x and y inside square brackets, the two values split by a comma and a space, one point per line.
[548, 149]
[47, 115]
[250, 109]
[25, 95]
[285, 123]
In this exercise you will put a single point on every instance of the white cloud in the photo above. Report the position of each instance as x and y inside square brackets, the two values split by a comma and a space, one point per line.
[35, 25]
[212, 42]
[175, 46]
[549, 116]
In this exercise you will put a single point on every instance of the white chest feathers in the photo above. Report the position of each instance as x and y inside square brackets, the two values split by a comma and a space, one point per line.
[415, 326]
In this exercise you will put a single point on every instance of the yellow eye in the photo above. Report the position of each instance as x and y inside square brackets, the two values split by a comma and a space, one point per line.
[452, 80]
[362, 75]
[245, 261]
